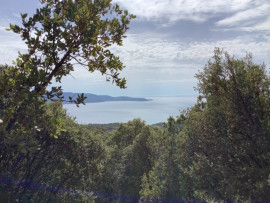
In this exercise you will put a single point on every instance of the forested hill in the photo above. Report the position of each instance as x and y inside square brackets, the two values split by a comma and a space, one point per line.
[93, 98]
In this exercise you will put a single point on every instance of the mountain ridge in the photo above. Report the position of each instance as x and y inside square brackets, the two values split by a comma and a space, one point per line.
[94, 98]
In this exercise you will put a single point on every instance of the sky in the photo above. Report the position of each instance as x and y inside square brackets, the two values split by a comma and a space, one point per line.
[166, 45]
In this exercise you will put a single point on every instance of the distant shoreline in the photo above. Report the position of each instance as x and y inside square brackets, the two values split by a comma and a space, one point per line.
[93, 98]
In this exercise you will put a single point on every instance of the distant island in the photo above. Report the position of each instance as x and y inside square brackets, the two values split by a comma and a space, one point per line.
[93, 98]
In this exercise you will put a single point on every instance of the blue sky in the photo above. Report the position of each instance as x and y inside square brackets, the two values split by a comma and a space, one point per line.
[167, 44]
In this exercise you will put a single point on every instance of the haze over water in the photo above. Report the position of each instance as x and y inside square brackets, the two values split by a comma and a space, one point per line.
[157, 110]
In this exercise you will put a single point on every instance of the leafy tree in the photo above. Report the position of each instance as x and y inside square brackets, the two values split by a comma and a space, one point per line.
[60, 35]
[225, 137]
[138, 159]
[162, 181]
[35, 135]
[63, 33]
[54, 169]
[132, 152]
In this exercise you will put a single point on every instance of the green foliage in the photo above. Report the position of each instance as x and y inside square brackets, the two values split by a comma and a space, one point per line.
[132, 151]
[64, 33]
[225, 143]
[55, 169]
[163, 182]
[59, 35]
[218, 149]
[44, 155]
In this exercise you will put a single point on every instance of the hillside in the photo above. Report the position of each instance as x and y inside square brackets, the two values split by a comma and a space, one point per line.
[93, 98]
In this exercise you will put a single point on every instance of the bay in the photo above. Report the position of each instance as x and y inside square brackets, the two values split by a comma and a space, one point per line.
[158, 109]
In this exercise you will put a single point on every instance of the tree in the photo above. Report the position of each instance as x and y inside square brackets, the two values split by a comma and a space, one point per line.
[63, 169]
[225, 136]
[59, 36]
[162, 182]
[132, 150]
[63, 33]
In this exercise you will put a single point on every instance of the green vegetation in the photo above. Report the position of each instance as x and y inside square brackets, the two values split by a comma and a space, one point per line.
[217, 150]
[57, 35]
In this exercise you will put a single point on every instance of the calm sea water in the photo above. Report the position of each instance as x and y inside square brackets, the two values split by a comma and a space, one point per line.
[154, 111]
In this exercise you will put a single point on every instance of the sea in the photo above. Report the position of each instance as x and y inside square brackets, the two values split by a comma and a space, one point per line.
[156, 110]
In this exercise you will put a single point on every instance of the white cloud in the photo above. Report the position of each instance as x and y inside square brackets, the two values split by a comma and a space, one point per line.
[146, 52]
[264, 26]
[250, 26]
[10, 44]
[246, 17]
[172, 10]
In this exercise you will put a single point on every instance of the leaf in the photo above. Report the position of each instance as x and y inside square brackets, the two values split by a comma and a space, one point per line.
[24, 15]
